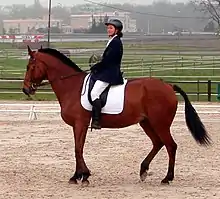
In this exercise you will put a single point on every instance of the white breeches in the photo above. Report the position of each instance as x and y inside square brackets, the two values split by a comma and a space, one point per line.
[97, 89]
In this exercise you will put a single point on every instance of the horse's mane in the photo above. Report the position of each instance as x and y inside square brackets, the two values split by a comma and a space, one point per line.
[61, 57]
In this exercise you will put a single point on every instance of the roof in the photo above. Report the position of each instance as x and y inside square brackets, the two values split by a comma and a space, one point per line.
[28, 20]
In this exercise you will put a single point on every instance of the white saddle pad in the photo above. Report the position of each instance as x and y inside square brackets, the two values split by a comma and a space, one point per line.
[115, 99]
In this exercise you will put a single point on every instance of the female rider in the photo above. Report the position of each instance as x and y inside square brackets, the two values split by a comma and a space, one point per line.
[107, 71]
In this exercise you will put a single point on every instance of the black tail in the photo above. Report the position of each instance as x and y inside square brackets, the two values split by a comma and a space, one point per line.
[193, 121]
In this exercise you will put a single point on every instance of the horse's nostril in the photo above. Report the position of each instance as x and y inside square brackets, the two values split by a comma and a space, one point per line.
[25, 91]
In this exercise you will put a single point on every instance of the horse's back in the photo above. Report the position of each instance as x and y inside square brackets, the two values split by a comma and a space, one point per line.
[154, 89]
[151, 83]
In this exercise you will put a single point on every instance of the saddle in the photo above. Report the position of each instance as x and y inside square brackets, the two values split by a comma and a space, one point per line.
[112, 98]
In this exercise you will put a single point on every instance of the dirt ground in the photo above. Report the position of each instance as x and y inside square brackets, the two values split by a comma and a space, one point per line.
[37, 160]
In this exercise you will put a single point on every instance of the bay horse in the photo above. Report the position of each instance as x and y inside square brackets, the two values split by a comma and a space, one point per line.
[149, 102]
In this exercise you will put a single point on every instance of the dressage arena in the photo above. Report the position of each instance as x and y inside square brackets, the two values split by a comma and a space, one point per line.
[37, 159]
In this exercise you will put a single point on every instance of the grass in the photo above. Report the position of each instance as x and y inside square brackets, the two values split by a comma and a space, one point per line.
[79, 45]
[4, 46]
[127, 46]
[21, 96]
[131, 46]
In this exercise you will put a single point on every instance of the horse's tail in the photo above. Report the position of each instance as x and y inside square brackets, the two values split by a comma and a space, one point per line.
[193, 121]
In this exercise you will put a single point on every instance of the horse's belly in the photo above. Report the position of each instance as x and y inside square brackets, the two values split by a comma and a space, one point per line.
[132, 113]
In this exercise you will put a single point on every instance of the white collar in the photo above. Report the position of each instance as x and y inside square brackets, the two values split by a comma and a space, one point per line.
[110, 40]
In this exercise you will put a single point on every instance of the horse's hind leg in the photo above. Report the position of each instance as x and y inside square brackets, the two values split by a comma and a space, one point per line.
[159, 138]
[157, 145]
[171, 147]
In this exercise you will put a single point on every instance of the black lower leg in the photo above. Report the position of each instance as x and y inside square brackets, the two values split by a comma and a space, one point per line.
[96, 114]
[80, 176]
[172, 153]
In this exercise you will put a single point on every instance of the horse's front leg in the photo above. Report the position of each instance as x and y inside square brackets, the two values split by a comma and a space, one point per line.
[82, 172]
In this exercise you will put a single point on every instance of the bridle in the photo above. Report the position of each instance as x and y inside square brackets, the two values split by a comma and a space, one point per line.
[34, 86]
[61, 78]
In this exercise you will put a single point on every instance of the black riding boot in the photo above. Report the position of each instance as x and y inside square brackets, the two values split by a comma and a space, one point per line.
[96, 114]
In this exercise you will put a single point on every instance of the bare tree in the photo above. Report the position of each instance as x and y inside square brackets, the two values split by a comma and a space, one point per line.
[211, 9]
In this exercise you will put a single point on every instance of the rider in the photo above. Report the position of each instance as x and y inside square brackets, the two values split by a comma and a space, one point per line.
[107, 71]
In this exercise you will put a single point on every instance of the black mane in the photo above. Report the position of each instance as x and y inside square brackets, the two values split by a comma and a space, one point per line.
[60, 56]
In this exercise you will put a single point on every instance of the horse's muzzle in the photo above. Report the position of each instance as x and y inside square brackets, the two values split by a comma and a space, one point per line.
[29, 90]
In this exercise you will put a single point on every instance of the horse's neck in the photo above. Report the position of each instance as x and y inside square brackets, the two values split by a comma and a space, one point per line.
[69, 86]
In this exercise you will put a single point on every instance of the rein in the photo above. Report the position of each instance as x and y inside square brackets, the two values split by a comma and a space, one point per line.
[61, 78]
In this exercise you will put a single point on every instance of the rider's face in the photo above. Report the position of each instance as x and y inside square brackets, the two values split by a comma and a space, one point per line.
[111, 30]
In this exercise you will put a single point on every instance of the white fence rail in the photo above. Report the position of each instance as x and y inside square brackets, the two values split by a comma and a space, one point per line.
[50, 108]
[30, 109]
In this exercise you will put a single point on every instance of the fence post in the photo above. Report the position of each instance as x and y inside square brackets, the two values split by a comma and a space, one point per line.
[198, 90]
[32, 113]
[218, 91]
[209, 90]
[142, 65]
[213, 65]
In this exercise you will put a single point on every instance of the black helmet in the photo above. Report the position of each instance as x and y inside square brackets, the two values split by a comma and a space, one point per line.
[116, 23]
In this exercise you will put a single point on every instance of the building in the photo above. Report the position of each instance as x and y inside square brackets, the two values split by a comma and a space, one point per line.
[79, 21]
[67, 29]
[84, 21]
[23, 26]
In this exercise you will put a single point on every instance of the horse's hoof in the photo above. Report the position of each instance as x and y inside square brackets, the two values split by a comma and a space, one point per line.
[85, 183]
[72, 181]
[143, 176]
[165, 182]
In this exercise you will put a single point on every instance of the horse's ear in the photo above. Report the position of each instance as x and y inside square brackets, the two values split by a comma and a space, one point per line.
[30, 51]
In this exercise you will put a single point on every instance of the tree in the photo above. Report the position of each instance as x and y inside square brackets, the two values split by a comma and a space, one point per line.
[211, 9]
[100, 20]
[106, 18]
[11, 31]
[93, 27]
[101, 25]
[210, 27]
[98, 27]
[4, 31]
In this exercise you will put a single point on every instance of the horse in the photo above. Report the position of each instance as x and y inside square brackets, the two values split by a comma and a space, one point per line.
[149, 102]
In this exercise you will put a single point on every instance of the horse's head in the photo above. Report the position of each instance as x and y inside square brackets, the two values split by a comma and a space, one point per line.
[36, 72]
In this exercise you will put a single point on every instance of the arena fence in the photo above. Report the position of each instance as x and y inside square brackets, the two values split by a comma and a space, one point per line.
[32, 110]
[198, 88]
